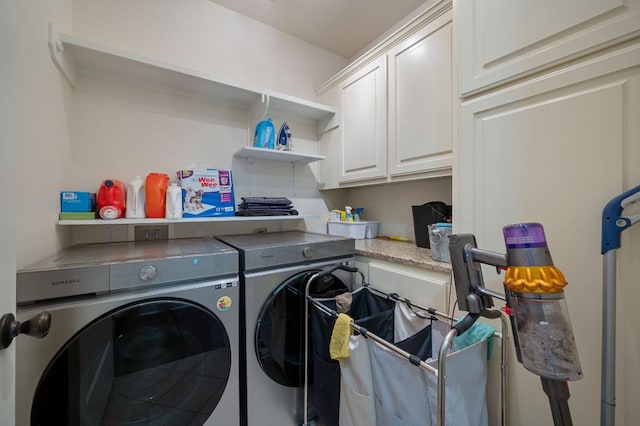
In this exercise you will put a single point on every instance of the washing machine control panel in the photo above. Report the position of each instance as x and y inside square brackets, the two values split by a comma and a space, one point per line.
[147, 273]
[307, 252]
[130, 275]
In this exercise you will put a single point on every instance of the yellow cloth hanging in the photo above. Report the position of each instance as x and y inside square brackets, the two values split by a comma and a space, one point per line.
[339, 343]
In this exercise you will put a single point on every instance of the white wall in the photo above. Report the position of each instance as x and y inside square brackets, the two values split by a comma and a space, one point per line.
[204, 36]
[390, 204]
[43, 131]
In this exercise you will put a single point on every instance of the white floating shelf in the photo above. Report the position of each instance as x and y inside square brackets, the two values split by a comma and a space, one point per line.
[125, 221]
[293, 158]
[74, 55]
[275, 155]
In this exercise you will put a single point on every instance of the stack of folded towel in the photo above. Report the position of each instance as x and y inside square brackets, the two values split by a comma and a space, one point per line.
[266, 206]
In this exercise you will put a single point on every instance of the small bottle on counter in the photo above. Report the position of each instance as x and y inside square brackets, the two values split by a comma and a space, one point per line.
[174, 202]
[357, 215]
[349, 210]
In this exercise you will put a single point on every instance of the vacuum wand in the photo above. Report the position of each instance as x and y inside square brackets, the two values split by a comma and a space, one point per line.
[534, 296]
[614, 222]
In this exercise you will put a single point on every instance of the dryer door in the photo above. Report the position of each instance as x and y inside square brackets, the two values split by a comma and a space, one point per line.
[279, 335]
[159, 361]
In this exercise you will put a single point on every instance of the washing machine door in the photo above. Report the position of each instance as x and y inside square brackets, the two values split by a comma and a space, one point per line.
[158, 361]
[279, 333]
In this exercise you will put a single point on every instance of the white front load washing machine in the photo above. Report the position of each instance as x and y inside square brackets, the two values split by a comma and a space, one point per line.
[274, 268]
[142, 333]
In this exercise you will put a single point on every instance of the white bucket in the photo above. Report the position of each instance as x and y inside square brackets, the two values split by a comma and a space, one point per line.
[439, 241]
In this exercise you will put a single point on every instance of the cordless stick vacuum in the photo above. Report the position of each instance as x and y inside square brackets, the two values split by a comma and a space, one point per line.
[534, 294]
[613, 223]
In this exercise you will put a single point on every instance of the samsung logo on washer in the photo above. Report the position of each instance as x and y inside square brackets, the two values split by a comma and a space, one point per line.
[65, 282]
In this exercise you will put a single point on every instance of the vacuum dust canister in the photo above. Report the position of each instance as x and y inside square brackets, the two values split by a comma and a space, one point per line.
[534, 287]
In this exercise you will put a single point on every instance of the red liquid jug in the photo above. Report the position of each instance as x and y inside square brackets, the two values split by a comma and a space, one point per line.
[111, 199]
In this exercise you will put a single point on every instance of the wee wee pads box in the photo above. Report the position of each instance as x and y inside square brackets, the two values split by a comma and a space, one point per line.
[206, 193]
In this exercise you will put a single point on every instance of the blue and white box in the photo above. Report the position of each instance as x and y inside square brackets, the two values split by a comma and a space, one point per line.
[206, 193]
[76, 201]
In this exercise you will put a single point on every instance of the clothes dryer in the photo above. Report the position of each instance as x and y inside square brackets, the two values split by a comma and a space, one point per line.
[274, 268]
[141, 333]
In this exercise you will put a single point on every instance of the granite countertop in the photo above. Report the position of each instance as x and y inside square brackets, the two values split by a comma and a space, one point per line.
[406, 253]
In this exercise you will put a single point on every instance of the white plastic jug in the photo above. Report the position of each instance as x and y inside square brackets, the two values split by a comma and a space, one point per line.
[135, 207]
[174, 202]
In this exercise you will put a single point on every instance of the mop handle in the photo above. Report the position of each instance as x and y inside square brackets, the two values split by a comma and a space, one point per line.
[613, 223]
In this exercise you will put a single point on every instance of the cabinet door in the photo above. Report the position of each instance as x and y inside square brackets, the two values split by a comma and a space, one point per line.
[330, 145]
[501, 40]
[423, 287]
[420, 97]
[364, 123]
[554, 150]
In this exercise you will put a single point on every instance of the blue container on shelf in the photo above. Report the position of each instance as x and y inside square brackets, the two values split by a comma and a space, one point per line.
[265, 135]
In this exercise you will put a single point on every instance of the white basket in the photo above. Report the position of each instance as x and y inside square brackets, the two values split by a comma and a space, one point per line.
[356, 230]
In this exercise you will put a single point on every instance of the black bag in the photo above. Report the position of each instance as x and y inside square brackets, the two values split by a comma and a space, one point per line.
[368, 310]
[427, 214]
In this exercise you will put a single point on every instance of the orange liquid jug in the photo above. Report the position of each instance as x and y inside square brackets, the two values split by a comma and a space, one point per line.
[156, 194]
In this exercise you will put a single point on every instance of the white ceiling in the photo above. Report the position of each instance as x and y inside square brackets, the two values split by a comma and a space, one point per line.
[341, 26]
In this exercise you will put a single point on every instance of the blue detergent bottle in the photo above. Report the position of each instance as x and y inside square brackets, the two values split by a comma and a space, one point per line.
[265, 135]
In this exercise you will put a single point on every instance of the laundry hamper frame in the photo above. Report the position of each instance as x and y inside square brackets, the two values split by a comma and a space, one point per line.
[444, 348]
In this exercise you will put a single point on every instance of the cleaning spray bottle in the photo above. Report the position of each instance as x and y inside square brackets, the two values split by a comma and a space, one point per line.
[357, 216]
[349, 211]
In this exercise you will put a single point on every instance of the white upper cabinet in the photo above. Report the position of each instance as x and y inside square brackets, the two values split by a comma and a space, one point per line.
[364, 123]
[554, 149]
[420, 97]
[504, 39]
[395, 105]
